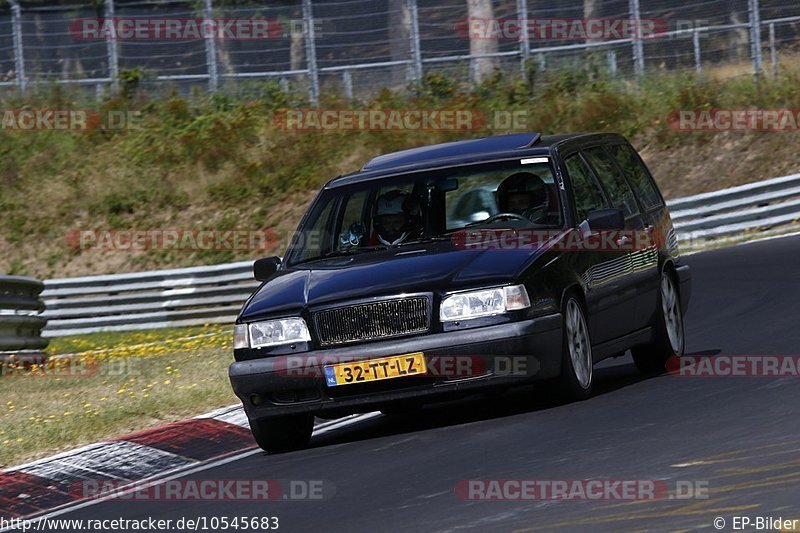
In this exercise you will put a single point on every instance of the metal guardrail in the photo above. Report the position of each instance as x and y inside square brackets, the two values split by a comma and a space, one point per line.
[729, 212]
[20, 320]
[145, 300]
[214, 294]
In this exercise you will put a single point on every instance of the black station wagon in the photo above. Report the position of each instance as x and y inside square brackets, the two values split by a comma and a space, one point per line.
[458, 267]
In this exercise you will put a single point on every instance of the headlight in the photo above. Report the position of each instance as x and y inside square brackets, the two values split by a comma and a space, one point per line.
[486, 302]
[271, 333]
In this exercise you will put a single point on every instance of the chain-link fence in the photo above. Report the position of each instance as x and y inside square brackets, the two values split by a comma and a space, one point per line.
[356, 47]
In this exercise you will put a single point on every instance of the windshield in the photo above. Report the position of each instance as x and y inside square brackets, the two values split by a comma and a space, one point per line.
[427, 205]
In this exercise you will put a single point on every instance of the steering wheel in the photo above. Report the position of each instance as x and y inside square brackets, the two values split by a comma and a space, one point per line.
[504, 216]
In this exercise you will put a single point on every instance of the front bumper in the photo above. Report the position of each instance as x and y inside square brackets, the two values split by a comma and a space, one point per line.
[505, 354]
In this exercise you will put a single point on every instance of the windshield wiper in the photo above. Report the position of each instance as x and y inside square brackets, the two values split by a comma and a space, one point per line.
[433, 238]
[343, 252]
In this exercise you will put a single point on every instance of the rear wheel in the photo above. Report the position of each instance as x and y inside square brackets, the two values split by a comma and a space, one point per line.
[283, 433]
[669, 337]
[576, 358]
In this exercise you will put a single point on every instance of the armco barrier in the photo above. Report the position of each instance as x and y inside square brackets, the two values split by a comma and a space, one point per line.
[728, 212]
[214, 294]
[20, 320]
[144, 300]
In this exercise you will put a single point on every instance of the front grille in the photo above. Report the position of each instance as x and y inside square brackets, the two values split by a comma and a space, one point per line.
[360, 322]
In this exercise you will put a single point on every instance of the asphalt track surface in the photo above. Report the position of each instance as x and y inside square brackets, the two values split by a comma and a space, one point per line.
[739, 436]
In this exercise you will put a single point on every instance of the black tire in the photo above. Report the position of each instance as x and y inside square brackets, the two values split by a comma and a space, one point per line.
[652, 358]
[283, 433]
[571, 385]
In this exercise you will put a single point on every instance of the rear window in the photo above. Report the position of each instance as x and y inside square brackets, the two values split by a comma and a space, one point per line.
[637, 175]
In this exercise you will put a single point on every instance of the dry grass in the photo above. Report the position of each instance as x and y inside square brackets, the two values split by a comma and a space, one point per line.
[114, 384]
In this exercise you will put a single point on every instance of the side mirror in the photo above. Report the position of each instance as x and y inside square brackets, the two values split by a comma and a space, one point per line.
[606, 219]
[264, 268]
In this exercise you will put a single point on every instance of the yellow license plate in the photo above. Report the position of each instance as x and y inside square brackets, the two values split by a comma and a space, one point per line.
[396, 366]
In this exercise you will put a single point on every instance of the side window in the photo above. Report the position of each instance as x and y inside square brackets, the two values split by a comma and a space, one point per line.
[637, 175]
[588, 196]
[354, 210]
[619, 192]
[317, 235]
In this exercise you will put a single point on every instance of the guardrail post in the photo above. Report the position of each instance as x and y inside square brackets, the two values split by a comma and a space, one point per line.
[311, 51]
[773, 52]
[20, 321]
[698, 64]
[211, 48]
[416, 48]
[19, 56]
[638, 47]
[524, 40]
[755, 36]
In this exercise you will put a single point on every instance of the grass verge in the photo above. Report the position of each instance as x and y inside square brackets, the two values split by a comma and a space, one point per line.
[114, 384]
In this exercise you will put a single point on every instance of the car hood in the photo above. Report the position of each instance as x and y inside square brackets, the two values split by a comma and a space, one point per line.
[433, 267]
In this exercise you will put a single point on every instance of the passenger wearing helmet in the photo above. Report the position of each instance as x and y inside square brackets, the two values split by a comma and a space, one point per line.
[393, 221]
[524, 193]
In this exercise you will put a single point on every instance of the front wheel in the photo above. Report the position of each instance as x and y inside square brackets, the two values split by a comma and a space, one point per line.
[283, 433]
[576, 357]
[669, 339]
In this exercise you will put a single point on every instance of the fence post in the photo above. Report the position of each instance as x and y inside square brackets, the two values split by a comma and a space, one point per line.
[19, 57]
[611, 56]
[755, 36]
[542, 61]
[698, 64]
[416, 49]
[111, 48]
[347, 81]
[311, 51]
[638, 47]
[773, 52]
[524, 41]
[211, 49]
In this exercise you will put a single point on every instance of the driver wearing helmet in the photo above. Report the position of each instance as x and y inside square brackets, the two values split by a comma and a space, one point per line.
[393, 222]
[525, 194]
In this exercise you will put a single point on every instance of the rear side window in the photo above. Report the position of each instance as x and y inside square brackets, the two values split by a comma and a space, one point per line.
[637, 175]
[620, 194]
[588, 196]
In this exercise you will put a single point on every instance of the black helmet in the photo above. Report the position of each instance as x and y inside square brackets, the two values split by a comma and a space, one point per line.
[527, 184]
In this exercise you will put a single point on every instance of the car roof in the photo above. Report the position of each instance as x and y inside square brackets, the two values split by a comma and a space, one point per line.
[460, 152]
